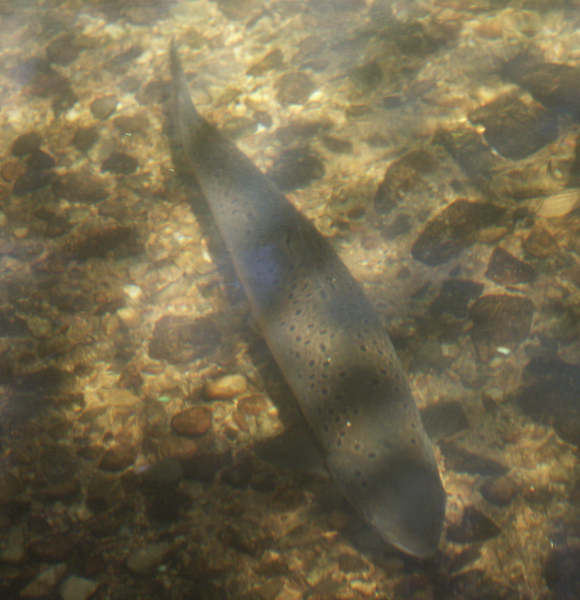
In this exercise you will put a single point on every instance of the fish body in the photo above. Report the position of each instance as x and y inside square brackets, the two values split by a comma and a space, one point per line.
[325, 335]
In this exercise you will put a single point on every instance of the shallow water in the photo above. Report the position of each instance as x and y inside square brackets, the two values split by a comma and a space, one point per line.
[434, 144]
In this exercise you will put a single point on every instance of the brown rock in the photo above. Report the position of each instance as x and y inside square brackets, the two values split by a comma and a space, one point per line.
[500, 320]
[239, 419]
[540, 243]
[118, 457]
[499, 491]
[192, 421]
[175, 446]
[252, 405]
[515, 128]
[137, 123]
[294, 87]
[205, 465]
[508, 270]
[229, 386]
[103, 107]
[85, 138]
[63, 50]
[273, 60]
[182, 340]
[12, 170]
[80, 187]
[236, 9]
[473, 527]
[63, 489]
[453, 230]
[103, 491]
[26, 143]
[120, 163]
[53, 548]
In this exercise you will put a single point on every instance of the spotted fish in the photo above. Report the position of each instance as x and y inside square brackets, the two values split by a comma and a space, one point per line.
[325, 335]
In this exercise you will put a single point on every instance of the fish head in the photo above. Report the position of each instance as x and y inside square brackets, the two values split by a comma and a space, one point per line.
[405, 503]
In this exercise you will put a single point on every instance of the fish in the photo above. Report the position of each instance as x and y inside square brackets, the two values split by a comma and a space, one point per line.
[328, 339]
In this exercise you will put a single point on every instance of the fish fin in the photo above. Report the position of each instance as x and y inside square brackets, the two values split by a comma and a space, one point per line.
[295, 450]
[185, 116]
[443, 419]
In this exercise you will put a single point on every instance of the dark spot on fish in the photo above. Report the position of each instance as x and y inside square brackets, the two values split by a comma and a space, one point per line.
[371, 455]
[311, 363]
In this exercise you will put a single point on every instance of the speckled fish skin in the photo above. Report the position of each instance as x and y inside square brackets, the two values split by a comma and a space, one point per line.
[327, 338]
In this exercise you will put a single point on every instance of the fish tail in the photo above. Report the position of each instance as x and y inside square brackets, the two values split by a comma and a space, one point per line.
[186, 119]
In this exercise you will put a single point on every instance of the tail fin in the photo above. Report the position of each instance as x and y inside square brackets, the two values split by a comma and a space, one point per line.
[186, 119]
